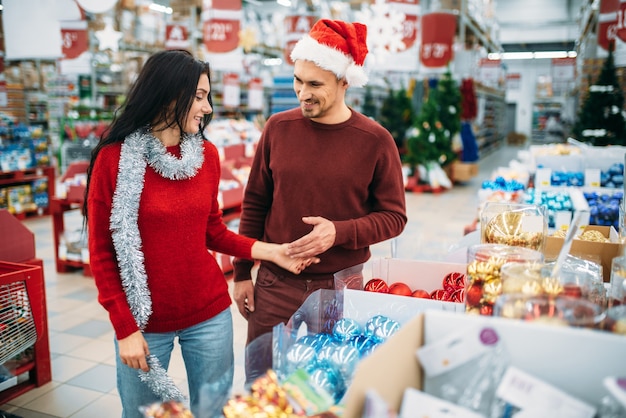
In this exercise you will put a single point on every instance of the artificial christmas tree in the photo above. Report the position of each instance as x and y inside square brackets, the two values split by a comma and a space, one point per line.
[369, 107]
[396, 115]
[447, 96]
[429, 144]
[600, 120]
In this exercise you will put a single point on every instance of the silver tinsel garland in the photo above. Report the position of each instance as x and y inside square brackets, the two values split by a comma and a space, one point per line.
[139, 150]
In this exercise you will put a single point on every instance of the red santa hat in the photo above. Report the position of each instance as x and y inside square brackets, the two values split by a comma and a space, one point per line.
[336, 46]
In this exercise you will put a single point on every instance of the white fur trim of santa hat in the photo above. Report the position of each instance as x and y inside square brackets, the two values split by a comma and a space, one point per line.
[342, 64]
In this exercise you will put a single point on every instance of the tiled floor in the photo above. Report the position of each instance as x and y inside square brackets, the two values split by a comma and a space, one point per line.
[83, 365]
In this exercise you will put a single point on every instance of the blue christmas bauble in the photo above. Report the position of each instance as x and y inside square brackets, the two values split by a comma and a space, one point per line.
[299, 356]
[345, 359]
[373, 323]
[386, 329]
[345, 328]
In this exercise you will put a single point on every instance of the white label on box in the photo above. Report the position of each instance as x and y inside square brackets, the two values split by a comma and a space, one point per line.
[531, 394]
[450, 353]
[543, 177]
[592, 177]
[532, 223]
[416, 403]
[562, 219]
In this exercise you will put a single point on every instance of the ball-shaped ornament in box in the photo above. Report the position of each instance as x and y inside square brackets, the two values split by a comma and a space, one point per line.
[514, 224]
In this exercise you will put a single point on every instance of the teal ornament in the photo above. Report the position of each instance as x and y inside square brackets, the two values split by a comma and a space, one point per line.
[386, 329]
[346, 328]
[373, 323]
[345, 359]
[299, 356]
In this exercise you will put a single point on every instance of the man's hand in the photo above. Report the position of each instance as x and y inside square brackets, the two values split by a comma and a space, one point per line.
[243, 293]
[320, 239]
[133, 351]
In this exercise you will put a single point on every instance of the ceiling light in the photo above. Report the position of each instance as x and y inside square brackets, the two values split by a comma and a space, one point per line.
[286, 3]
[160, 8]
[531, 55]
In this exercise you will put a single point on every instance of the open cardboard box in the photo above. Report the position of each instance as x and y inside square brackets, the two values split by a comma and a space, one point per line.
[598, 252]
[574, 360]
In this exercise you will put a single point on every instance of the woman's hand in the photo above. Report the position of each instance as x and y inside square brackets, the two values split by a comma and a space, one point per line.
[277, 254]
[133, 351]
[293, 264]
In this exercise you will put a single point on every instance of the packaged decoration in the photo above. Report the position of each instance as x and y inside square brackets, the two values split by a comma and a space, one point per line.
[483, 282]
[519, 225]
[169, 409]
[465, 368]
[614, 404]
[617, 295]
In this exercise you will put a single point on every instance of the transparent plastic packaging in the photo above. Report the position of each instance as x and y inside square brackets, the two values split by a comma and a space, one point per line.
[514, 224]
[483, 281]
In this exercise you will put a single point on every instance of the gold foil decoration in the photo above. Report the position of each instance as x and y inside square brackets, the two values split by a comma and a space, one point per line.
[507, 228]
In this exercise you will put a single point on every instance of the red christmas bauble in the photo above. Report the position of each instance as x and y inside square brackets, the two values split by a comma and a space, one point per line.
[421, 293]
[486, 310]
[474, 294]
[453, 280]
[377, 285]
[440, 294]
[399, 288]
[458, 296]
[572, 290]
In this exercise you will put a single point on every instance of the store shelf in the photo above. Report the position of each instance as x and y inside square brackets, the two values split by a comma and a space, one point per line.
[490, 132]
[28, 177]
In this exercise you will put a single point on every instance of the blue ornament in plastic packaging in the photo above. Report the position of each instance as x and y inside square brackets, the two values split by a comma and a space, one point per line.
[325, 354]
[386, 329]
[362, 343]
[326, 379]
[373, 323]
[345, 359]
[346, 328]
[310, 340]
[299, 356]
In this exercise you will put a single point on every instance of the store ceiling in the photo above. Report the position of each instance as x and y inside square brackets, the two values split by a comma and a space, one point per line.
[525, 26]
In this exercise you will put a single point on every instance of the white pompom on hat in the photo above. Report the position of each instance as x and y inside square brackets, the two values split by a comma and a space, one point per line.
[336, 46]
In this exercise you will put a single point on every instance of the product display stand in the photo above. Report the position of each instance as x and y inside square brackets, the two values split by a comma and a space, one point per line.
[28, 176]
[24, 312]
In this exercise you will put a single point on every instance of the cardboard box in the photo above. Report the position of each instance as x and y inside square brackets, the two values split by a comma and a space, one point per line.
[598, 252]
[417, 274]
[573, 360]
[463, 172]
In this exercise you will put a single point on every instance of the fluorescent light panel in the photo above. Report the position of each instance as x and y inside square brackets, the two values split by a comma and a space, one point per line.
[160, 8]
[531, 55]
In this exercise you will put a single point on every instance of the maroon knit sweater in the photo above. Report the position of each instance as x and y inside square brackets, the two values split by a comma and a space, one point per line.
[178, 221]
[349, 173]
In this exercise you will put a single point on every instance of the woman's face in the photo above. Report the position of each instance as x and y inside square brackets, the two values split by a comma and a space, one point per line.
[200, 106]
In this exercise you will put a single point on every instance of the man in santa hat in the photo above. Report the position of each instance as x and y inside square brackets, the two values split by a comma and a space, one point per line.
[325, 178]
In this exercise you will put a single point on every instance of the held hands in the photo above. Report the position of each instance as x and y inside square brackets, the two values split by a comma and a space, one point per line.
[133, 351]
[294, 264]
[320, 239]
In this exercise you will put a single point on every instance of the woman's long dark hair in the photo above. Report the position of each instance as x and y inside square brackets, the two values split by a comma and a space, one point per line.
[167, 78]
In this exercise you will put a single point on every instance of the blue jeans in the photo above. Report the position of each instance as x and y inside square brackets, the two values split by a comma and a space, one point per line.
[207, 350]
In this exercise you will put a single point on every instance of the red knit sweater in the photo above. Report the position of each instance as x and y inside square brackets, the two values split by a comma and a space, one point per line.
[178, 221]
[349, 173]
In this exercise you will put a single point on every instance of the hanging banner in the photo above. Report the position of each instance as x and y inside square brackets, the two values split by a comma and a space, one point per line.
[255, 94]
[295, 27]
[620, 29]
[607, 22]
[232, 91]
[410, 9]
[438, 30]
[177, 37]
[490, 72]
[221, 22]
[564, 69]
[74, 38]
[513, 81]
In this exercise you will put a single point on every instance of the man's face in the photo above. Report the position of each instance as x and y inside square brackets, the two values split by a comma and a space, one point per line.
[320, 94]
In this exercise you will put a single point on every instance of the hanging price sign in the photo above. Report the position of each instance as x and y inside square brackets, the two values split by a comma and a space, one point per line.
[607, 22]
[410, 9]
[74, 38]
[221, 23]
[438, 30]
[295, 27]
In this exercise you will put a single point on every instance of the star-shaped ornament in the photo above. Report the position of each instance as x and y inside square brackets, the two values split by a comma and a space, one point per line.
[248, 39]
[108, 38]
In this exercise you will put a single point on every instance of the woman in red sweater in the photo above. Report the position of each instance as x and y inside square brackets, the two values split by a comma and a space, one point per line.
[152, 212]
